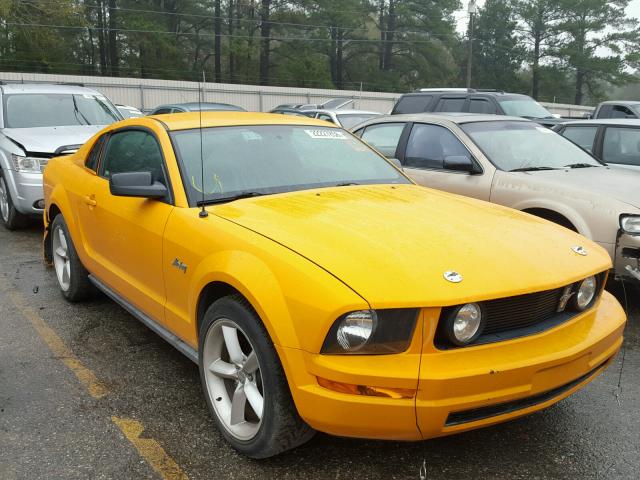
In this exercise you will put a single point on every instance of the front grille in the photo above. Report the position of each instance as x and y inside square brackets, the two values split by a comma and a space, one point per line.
[518, 316]
[473, 415]
[521, 311]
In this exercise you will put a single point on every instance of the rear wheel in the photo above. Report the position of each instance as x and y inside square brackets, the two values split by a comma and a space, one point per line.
[244, 383]
[73, 278]
[11, 218]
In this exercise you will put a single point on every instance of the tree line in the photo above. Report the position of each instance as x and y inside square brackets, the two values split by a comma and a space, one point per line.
[568, 51]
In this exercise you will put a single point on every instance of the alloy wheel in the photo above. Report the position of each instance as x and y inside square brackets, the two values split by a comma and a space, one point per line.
[233, 379]
[4, 200]
[61, 261]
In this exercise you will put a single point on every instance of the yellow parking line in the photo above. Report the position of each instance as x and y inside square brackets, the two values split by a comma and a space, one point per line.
[150, 450]
[95, 388]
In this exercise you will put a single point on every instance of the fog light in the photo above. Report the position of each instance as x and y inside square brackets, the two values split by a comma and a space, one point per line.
[355, 329]
[39, 204]
[464, 325]
[586, 293]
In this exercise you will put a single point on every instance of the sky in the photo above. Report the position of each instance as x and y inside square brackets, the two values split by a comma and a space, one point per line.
[633, 10]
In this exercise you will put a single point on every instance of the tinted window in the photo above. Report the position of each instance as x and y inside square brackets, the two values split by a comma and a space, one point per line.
[523, 106]
[133, 151]
[275, 158]
[412, 104]
[429, 145]
[582, 136]
[161, 111]
[621, 145]
[384, 137]
[480, 105]
[621, 112]
[451, 104]
[94, 155]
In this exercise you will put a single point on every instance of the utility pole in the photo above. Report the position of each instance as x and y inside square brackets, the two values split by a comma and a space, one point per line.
[471, 9]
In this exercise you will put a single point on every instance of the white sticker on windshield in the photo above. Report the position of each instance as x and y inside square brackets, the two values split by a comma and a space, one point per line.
[250, 135]
[326, 133]
[544, 130]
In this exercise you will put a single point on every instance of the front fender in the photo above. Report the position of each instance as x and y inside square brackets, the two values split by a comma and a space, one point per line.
[563, 209]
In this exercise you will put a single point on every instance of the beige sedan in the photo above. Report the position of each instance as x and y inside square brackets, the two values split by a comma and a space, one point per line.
[519, 164]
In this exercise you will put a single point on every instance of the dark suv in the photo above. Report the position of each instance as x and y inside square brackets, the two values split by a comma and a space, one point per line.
[470, 100]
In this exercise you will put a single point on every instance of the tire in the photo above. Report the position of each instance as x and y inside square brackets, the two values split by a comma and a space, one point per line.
[256, 368]
[72, 277]
[11, 218]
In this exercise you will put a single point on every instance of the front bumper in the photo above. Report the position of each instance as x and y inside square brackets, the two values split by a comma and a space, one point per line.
[454, 384]
[627, 255]
[26, 190]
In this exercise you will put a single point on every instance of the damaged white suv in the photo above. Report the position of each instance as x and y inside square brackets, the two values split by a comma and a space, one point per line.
[37, 122]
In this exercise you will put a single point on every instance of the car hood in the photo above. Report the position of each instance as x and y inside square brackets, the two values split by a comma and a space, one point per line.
[620, 184]
[392, 244]
[48, 139]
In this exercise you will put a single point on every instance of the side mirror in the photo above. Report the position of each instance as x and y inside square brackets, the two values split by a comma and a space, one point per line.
[460, 163]
[136, 184]
[395, 162]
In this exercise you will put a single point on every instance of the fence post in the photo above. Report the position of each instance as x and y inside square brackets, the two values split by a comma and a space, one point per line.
[141, 97]
[260, 105]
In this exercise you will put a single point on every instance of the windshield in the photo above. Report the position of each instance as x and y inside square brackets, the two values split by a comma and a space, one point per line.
[523, 107]
[275, 158]
[348, 120]
[526, 145]
[29, 110]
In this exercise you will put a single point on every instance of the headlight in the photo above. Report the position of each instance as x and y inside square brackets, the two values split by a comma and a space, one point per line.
[371, 332]
[464, 324]
[29, 164]
[586, 292]
[630, 224]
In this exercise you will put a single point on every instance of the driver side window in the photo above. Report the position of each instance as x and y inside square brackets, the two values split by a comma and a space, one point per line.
[429, 145]
[133, 151]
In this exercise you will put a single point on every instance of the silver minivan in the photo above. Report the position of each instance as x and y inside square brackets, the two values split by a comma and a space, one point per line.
[38, 122]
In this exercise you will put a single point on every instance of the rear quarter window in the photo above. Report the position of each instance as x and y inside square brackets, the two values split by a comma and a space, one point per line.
[412, 104]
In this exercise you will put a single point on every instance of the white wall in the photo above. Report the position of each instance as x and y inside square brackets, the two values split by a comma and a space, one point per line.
[147, 94]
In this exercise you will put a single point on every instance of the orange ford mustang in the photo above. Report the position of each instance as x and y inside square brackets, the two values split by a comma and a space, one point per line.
[318, 288]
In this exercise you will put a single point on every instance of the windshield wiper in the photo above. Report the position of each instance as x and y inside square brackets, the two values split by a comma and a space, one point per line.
[229, 198]
[77, 111]
[531, 169]
[580, 165]
[346, 184]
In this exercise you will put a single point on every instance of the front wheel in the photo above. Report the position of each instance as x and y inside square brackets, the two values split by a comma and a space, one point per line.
[244, 383]
[11, 218]
[73, 278]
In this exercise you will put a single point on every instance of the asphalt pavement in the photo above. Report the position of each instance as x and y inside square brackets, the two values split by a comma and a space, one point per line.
[86, 391]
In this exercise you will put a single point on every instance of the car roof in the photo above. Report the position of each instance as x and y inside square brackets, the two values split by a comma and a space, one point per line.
[635, 122]
[17, 88]
[343, 110]
[442, 117]
[620, 102]
[196, 105]
[463, 92]
[190, 120]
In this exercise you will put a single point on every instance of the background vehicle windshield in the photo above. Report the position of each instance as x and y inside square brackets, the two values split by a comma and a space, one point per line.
[523, 107]
[517, 145]
[276, 158]
[29, 110]
[348, 120]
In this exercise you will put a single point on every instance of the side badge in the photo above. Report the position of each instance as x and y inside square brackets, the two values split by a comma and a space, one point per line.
[580, 250]
[179, 265]
[453, 277]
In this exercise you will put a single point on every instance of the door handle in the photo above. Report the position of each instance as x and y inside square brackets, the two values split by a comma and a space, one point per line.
[90, 200]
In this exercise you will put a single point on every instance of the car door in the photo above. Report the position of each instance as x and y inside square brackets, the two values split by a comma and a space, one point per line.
[620, 147]
[123, 236]
[423, 159]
